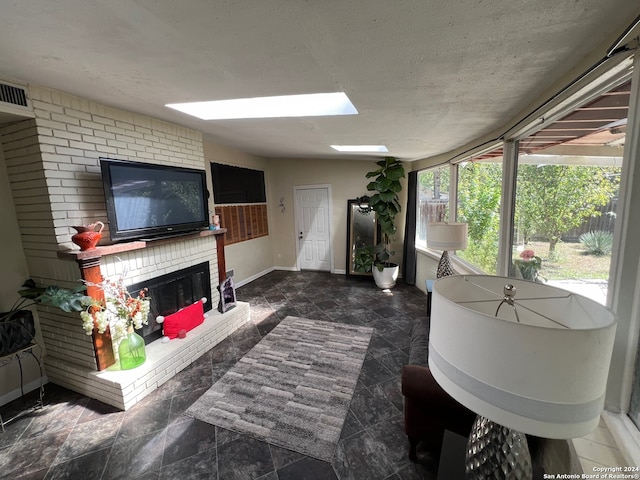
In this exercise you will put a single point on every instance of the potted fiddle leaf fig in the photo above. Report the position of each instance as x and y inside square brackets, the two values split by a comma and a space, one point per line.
[385, 202]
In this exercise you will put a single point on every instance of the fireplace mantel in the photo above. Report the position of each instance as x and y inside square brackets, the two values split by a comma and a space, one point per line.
[113, 248]
[89, 264]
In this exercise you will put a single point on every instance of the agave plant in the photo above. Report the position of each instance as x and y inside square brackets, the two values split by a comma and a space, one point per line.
[598, 242]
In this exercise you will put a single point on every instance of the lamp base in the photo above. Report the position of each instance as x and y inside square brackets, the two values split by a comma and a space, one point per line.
[496, 452]
[444, 266]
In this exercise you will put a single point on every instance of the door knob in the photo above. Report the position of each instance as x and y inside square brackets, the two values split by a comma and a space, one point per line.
[300, 236]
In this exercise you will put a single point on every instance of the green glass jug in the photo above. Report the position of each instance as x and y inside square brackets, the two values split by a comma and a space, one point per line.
[131, 350]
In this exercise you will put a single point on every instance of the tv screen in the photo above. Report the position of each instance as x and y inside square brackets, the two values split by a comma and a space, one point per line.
[237, 184]
[147, 200]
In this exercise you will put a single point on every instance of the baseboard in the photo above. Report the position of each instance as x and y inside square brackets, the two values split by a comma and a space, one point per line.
[287, 269]
[253, 277]
[271, 269]
[28, 387]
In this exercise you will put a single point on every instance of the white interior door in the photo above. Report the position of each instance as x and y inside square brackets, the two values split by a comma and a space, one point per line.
[312, 228]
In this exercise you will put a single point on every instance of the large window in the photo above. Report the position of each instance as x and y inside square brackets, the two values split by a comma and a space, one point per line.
[433, 200]
[478, 204]
[478, 192]
[566, 192]
[566, 196]
[565, 216]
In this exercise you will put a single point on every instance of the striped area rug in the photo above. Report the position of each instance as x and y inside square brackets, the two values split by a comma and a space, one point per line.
[293, 389]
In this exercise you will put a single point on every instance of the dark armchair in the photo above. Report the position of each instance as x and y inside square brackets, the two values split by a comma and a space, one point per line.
[428, 409]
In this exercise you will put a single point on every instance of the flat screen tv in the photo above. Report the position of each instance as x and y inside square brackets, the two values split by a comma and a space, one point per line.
[148, 201]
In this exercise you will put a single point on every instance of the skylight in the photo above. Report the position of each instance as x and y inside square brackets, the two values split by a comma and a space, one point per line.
[305, 105]
[360, 148]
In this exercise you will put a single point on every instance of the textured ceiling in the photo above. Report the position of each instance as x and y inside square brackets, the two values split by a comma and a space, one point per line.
[426, 76]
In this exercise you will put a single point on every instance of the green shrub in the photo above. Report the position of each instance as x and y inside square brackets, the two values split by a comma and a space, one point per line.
[598, 242]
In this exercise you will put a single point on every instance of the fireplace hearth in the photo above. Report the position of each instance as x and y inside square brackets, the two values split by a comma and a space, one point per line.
[124, 388]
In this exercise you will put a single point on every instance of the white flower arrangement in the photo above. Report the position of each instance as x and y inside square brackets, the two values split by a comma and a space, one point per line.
[119, 310]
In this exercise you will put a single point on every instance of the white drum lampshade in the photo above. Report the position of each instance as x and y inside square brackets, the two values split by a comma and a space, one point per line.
[446, 237]
[542, 372]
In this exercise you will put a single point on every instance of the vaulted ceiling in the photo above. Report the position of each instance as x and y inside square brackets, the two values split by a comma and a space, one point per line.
[425, 76]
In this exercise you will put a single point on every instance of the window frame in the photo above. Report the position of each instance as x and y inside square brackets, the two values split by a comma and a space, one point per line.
[453, 205]
[422, 247]
[624, 279]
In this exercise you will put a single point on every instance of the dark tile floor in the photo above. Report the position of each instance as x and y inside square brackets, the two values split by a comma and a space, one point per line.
[74, 437]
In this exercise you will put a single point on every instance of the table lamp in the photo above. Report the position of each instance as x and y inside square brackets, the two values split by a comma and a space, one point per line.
[526, 357]
[446, 237]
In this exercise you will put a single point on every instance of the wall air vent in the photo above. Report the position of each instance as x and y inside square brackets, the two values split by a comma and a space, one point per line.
[15, 103]
[13, 95]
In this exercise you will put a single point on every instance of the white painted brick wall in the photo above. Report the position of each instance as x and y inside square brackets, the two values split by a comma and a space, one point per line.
[53, 167]
[159, 260]
[67, 137]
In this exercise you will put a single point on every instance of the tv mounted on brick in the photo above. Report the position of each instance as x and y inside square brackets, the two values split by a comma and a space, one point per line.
[148, 200]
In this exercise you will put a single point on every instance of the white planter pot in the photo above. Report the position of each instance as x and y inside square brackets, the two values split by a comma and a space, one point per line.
[387, 277]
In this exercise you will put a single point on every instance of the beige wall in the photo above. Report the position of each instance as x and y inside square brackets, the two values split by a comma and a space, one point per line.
[230, 156]
[13, 272]
[252, 258]
[13, 266]
[347, 180]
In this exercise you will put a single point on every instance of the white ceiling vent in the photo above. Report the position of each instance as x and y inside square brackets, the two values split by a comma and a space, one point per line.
[14, 102]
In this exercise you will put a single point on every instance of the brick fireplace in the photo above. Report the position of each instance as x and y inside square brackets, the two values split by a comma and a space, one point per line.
[54, 174]
[145, 262]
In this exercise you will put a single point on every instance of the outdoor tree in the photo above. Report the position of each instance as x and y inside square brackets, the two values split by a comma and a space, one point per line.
[553, 199]
[479, 193]
[550, 201]
[434, 182]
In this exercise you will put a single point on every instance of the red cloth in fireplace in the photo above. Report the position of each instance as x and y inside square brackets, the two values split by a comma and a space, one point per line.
[186, 319]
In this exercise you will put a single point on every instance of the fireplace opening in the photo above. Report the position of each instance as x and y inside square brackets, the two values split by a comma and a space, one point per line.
[171, 292]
